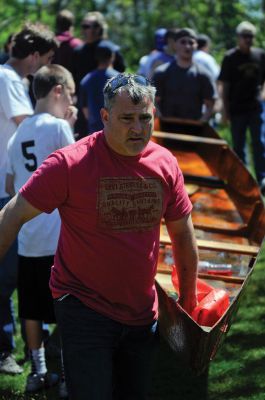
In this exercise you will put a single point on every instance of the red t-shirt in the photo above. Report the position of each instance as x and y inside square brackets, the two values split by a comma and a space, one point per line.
[111, 207]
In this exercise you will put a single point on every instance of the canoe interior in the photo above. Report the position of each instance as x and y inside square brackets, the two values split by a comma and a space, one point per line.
[227, 200]
[229, 220]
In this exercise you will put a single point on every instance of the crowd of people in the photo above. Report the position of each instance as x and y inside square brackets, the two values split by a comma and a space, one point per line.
[77, 169]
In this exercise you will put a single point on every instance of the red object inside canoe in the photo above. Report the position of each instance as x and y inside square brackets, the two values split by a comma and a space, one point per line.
[212, 303]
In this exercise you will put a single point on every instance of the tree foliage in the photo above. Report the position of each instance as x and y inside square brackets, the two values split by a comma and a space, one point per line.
[132, 22]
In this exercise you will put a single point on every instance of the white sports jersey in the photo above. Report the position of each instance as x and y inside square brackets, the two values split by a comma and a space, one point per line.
[36, 138]
[14, 101]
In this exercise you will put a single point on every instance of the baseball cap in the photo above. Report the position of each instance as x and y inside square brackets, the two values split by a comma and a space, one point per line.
[160, 38]
[185, 32]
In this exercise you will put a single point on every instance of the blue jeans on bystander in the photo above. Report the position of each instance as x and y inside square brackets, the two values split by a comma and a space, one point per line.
[104, 359]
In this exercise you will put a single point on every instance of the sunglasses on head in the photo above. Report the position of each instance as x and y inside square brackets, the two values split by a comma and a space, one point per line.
[90, 26]
[120, 81]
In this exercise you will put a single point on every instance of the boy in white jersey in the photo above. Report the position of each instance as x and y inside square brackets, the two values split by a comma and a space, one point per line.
[32, 47]
[49, 129]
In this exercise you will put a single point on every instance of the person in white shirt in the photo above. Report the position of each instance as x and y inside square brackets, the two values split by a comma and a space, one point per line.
[49, 129]
[32, 47]
[203, 57]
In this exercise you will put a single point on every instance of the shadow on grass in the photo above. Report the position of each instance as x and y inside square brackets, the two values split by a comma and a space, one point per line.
[12, 387]
[246, 341]
[172, 380]
[238, 378]
[10, 395]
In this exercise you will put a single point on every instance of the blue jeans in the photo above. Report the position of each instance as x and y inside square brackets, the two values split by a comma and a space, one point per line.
[104, 359]
[8, 283]
[239, 125]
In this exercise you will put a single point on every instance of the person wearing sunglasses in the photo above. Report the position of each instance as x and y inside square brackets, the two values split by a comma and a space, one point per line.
[184, 89]
[112, 189]
[95, 32]
[242, 76]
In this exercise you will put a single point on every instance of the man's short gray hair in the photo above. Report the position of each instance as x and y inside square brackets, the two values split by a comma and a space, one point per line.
[136, 86]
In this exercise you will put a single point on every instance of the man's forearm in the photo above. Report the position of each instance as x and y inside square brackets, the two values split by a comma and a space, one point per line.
[186, 261]
[185, 255]
[12, 217]
[9, 228]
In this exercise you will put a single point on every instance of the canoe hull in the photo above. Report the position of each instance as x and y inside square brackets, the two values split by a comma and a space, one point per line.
[195, 345]
[229, 219]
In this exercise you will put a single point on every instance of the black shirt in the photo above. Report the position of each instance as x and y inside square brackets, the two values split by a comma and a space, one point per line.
[245, 74]
[182, 91]
[85, 61]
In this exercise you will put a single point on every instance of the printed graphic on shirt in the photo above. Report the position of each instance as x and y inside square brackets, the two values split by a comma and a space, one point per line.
[127, 204]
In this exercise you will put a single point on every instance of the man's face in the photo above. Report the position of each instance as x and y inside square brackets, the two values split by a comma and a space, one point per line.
[185, 47]
[245, 41]
[128, 127]
[39, 61]
[91, 30]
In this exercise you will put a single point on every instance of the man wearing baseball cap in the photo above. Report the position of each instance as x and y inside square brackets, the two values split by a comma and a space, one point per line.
[184, 89]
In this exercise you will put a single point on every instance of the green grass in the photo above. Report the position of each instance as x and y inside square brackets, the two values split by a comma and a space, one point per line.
[236, 373]
[224, 132]
[12, 387]
[238, 370]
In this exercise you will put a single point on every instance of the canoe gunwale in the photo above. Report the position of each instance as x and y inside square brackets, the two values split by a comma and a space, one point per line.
[219, 246]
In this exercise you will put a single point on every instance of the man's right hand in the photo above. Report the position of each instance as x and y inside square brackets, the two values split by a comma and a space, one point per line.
[71, 115]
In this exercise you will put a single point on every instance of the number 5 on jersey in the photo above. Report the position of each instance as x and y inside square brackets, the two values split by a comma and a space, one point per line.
[29, 155]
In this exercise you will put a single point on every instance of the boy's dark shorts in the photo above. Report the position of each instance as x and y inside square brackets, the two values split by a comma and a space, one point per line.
[34, 296]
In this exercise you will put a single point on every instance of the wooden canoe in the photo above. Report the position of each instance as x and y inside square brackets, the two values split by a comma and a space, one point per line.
[229, 220]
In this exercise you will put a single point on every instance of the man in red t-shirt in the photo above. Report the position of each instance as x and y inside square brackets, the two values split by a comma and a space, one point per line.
[111, 189]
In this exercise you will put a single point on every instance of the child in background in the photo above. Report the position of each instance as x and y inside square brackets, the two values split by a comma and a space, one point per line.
[49, 129]
[91, 87]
